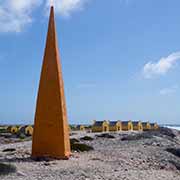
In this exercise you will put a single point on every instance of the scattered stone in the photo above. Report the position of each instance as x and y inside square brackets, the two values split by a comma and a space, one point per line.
[111, 159]
[19, 173]
[143, 135]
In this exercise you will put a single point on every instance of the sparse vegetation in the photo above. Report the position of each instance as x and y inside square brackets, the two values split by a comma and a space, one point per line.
[6, 169]
[21, 135]
[105, 135]
[174, 151]
[3, 130]
[74, 140]
[87, 138]
[79, 147]
[176, 164]
[9, 150]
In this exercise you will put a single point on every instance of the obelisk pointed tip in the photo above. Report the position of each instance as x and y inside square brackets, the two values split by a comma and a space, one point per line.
[52, 8]
[51, 20]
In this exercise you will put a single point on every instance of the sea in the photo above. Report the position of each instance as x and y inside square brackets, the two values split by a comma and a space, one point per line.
[173, 127]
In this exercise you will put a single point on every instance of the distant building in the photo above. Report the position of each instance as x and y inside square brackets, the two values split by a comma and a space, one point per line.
[115, 126]
[127, 125]
[12, 129]
[137, 126]
[80, 127]
[27, 130]
[100, 126]
[146, 126]
[154, 126]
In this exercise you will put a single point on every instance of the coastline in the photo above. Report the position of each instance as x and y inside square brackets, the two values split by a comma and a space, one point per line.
[118, 156]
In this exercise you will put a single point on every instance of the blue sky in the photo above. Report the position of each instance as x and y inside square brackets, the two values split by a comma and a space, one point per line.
[120, 58]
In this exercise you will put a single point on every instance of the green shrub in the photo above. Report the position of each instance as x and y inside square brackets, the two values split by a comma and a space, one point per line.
[21, 135]
[9, 150]
[3, 130]
[105, 135]
[174, 151]
[6, 169]
[87, 138]
[81, 147]
[74, 140]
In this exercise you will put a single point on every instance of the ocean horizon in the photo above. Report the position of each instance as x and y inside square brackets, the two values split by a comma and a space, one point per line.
[173, 127]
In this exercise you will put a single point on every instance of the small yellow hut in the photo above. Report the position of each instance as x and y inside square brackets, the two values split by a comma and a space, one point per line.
[154, 126]
[127, 125]
[27, 130]
[146, 126]
[115, 126]
[100, 126]
[12, 129]
[81, 127]
[137, 126]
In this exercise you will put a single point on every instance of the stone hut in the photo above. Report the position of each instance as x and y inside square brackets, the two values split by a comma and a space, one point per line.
[27, 130]
[115, 126]
[12, 129]
[100, 126]
[154, 126]
[80, 128]
[146, 126]
[127, 125]
[137, 126]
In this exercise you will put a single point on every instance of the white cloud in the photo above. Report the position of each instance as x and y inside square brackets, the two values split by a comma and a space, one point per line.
[167, 91]
[162, 66]
[16, 14]
[66, 7]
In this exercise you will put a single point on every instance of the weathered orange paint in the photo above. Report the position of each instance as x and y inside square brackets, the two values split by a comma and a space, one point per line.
[51, 132]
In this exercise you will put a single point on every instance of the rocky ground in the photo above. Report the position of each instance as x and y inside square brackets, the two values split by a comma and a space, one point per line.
[121, 156]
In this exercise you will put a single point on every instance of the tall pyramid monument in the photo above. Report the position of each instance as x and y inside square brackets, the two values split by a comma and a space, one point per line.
[51, 130]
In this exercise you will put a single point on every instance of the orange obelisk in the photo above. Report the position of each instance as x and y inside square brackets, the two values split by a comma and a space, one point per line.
[51, 132]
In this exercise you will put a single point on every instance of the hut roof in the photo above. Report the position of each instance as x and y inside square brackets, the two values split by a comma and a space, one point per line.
[144, 123]
[113, 123]
[98, 123]
[135, 122]
[125, 122]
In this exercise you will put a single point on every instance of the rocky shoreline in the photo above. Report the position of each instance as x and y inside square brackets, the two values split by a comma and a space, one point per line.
[116, 156]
